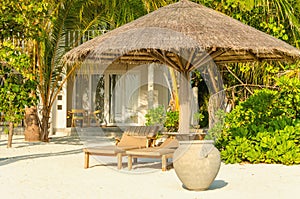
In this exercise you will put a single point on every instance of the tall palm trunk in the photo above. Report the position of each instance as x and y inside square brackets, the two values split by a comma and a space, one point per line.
[45, 124]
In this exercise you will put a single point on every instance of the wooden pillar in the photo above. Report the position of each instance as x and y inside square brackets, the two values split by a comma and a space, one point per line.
[184, 100]
[86, 159]
[150, 86]
[195, 107]
[129, 162]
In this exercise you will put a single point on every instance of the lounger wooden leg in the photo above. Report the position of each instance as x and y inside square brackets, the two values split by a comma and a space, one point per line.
[129, 162]
[164, 163]
[119, 156]
[86, 160]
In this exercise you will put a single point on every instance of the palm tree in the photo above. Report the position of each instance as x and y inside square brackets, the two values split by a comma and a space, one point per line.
[285, 12]
[49, 48]
[117, 13]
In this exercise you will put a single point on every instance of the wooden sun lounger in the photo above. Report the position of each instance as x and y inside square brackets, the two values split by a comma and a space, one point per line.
[135, 137]
[164, 151]
[112, 150]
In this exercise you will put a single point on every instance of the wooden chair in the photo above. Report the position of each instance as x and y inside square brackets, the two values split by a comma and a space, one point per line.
[94, 116]
[77, 115]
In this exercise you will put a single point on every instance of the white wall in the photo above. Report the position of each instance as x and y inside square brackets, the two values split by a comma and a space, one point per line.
[59, 110]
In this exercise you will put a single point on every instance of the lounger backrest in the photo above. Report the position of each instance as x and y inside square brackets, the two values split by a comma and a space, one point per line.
[138, 141]
[170, 143]
[147, 131]
[138, 136]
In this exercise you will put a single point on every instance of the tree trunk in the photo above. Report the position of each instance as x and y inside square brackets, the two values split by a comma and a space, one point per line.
[10, 134]
[32, 129]
[45, 125]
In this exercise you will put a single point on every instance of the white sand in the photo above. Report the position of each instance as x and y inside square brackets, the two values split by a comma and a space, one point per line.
[55, 170]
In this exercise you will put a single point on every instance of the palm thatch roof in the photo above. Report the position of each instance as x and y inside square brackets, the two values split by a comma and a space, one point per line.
[191, 30]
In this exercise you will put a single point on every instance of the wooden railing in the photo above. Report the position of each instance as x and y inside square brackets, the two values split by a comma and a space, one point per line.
[72, 38]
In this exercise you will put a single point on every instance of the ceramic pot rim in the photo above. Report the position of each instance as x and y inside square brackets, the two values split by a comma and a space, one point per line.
[197, 142]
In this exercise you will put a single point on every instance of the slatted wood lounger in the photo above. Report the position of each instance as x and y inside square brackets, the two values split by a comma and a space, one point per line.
[135, 137]
[164, 151]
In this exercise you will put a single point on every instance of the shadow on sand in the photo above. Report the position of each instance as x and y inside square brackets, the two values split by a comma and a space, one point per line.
[217, 184]
[9, 160]
[21, 143]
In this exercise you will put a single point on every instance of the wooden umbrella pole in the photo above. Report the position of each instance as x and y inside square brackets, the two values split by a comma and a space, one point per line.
[184, 102]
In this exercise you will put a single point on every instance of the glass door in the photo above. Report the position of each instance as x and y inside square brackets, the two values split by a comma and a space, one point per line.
[123, 98]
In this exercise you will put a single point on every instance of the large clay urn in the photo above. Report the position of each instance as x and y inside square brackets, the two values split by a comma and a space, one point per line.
[32, 130]
[197, 163]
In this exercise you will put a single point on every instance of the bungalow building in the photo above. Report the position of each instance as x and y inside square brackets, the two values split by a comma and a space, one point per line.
[120, 94]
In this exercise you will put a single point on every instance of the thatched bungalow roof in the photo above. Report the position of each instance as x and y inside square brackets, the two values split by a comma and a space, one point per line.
[184, 28]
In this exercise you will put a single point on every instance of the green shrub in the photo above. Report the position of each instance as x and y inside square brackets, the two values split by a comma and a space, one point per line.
[215, 131]
[158, 116]
[172, 121]
[281, 146]
[265, 128]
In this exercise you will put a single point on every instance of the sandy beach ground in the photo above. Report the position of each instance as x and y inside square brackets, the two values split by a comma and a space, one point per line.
[55, 170]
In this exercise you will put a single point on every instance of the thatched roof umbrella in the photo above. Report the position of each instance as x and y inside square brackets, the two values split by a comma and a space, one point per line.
[185, 36]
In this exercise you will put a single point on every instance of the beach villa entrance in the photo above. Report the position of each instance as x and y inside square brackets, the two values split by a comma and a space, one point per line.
[123, 97]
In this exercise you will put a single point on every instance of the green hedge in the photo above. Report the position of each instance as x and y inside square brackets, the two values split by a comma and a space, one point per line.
[265, 128]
